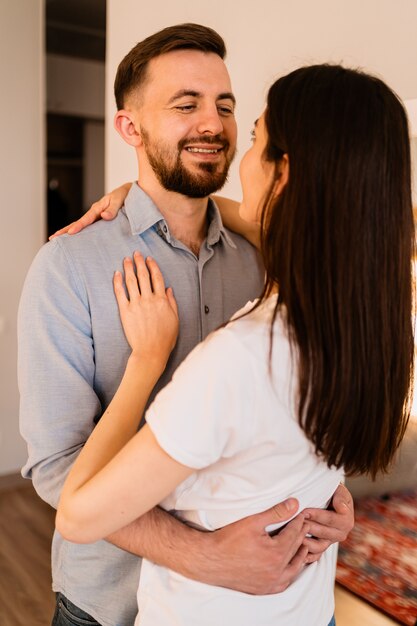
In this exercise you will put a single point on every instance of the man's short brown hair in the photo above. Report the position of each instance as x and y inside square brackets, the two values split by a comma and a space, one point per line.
[131, 73]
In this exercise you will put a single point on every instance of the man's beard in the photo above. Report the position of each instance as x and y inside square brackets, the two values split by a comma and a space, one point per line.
[176, 177]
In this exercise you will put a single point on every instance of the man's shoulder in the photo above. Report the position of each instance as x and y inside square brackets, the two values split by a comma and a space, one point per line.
[72, 256]
[103, 240]
[98, 234]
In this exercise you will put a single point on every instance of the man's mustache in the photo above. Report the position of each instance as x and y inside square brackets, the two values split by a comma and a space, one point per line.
[217, 139]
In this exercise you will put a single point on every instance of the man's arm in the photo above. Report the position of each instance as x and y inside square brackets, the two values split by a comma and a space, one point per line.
[56, 370]
[240, 556]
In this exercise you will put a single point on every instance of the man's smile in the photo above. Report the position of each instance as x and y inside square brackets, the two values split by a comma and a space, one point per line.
[204, 150]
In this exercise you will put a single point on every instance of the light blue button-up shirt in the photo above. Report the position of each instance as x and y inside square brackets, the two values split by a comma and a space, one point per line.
[72, 355]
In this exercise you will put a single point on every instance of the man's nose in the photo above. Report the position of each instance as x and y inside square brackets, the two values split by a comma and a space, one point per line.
[210, 122]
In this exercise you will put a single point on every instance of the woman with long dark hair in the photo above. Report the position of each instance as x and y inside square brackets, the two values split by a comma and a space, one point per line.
[311, 381]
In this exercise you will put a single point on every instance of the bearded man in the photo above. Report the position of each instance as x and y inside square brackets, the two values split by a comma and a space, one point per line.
[176, 109]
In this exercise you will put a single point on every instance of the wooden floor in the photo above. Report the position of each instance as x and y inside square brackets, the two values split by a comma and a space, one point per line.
[26, 599]
[26, 525]
[350, 611]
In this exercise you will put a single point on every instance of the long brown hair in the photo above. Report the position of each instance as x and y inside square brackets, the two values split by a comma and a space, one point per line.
[339, 242]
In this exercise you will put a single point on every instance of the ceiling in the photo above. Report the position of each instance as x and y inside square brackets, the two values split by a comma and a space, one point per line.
[76, 28]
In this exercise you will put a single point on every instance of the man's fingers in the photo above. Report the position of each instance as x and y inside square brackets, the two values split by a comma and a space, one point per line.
[332, 525]
[281, 512]
[316, 546]
[297, 562]
[312, 558]
[342, 500]
[292, 570]
[321, 516]
[292, 536]
[330, 533]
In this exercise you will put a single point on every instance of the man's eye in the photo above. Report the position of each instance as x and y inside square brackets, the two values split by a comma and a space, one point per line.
[252, 135]
[185, 108]
[225, 110]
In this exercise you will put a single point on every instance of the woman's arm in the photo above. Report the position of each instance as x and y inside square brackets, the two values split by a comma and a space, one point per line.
[109, 205]
[229, 210]
[120, 473]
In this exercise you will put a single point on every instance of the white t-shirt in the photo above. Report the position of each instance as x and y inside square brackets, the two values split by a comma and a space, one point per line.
[224, 415]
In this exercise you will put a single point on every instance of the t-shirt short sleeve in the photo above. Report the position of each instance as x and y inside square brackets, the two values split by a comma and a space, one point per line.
[205, 412]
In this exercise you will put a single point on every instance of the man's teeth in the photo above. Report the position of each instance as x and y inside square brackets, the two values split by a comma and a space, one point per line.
[204, 150]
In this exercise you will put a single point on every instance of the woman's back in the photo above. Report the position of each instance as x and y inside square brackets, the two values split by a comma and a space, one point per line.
[226, 414]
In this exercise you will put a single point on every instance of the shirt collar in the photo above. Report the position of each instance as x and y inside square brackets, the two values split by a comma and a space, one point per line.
[143, 214]
[141, 211]
[216, 227]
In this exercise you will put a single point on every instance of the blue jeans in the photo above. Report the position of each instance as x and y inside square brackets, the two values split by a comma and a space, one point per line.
[68, 614]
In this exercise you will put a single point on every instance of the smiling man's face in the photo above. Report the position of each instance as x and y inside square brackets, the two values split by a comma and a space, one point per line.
[187, 123]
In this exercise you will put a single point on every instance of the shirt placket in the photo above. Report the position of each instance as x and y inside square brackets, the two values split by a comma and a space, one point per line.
[208, 292]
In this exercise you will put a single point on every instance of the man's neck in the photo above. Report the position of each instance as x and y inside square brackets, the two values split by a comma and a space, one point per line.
[186, 217]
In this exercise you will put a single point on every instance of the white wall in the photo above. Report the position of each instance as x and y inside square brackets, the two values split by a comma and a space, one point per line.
[22, 192]
[265, 39]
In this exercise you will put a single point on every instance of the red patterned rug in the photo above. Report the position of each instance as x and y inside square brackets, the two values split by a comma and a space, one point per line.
[378, 561]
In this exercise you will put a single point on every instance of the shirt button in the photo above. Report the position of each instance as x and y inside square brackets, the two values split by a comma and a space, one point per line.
[165, 229]
[206, 309]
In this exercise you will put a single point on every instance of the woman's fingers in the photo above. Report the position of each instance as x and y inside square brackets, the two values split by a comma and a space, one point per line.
[143, 277]
[158, 283]
[119, 291]
[131, 280]
[171, 300]
[61, 231]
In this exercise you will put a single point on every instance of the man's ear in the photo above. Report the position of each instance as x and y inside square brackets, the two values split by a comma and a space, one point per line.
[284, 172]
[124, 123]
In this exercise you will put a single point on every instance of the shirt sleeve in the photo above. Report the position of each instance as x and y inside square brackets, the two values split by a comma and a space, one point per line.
[58, 405]
[205, 412]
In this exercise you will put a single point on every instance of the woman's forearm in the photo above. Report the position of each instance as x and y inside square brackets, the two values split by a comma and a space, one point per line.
[119, 422]
[115, 429]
